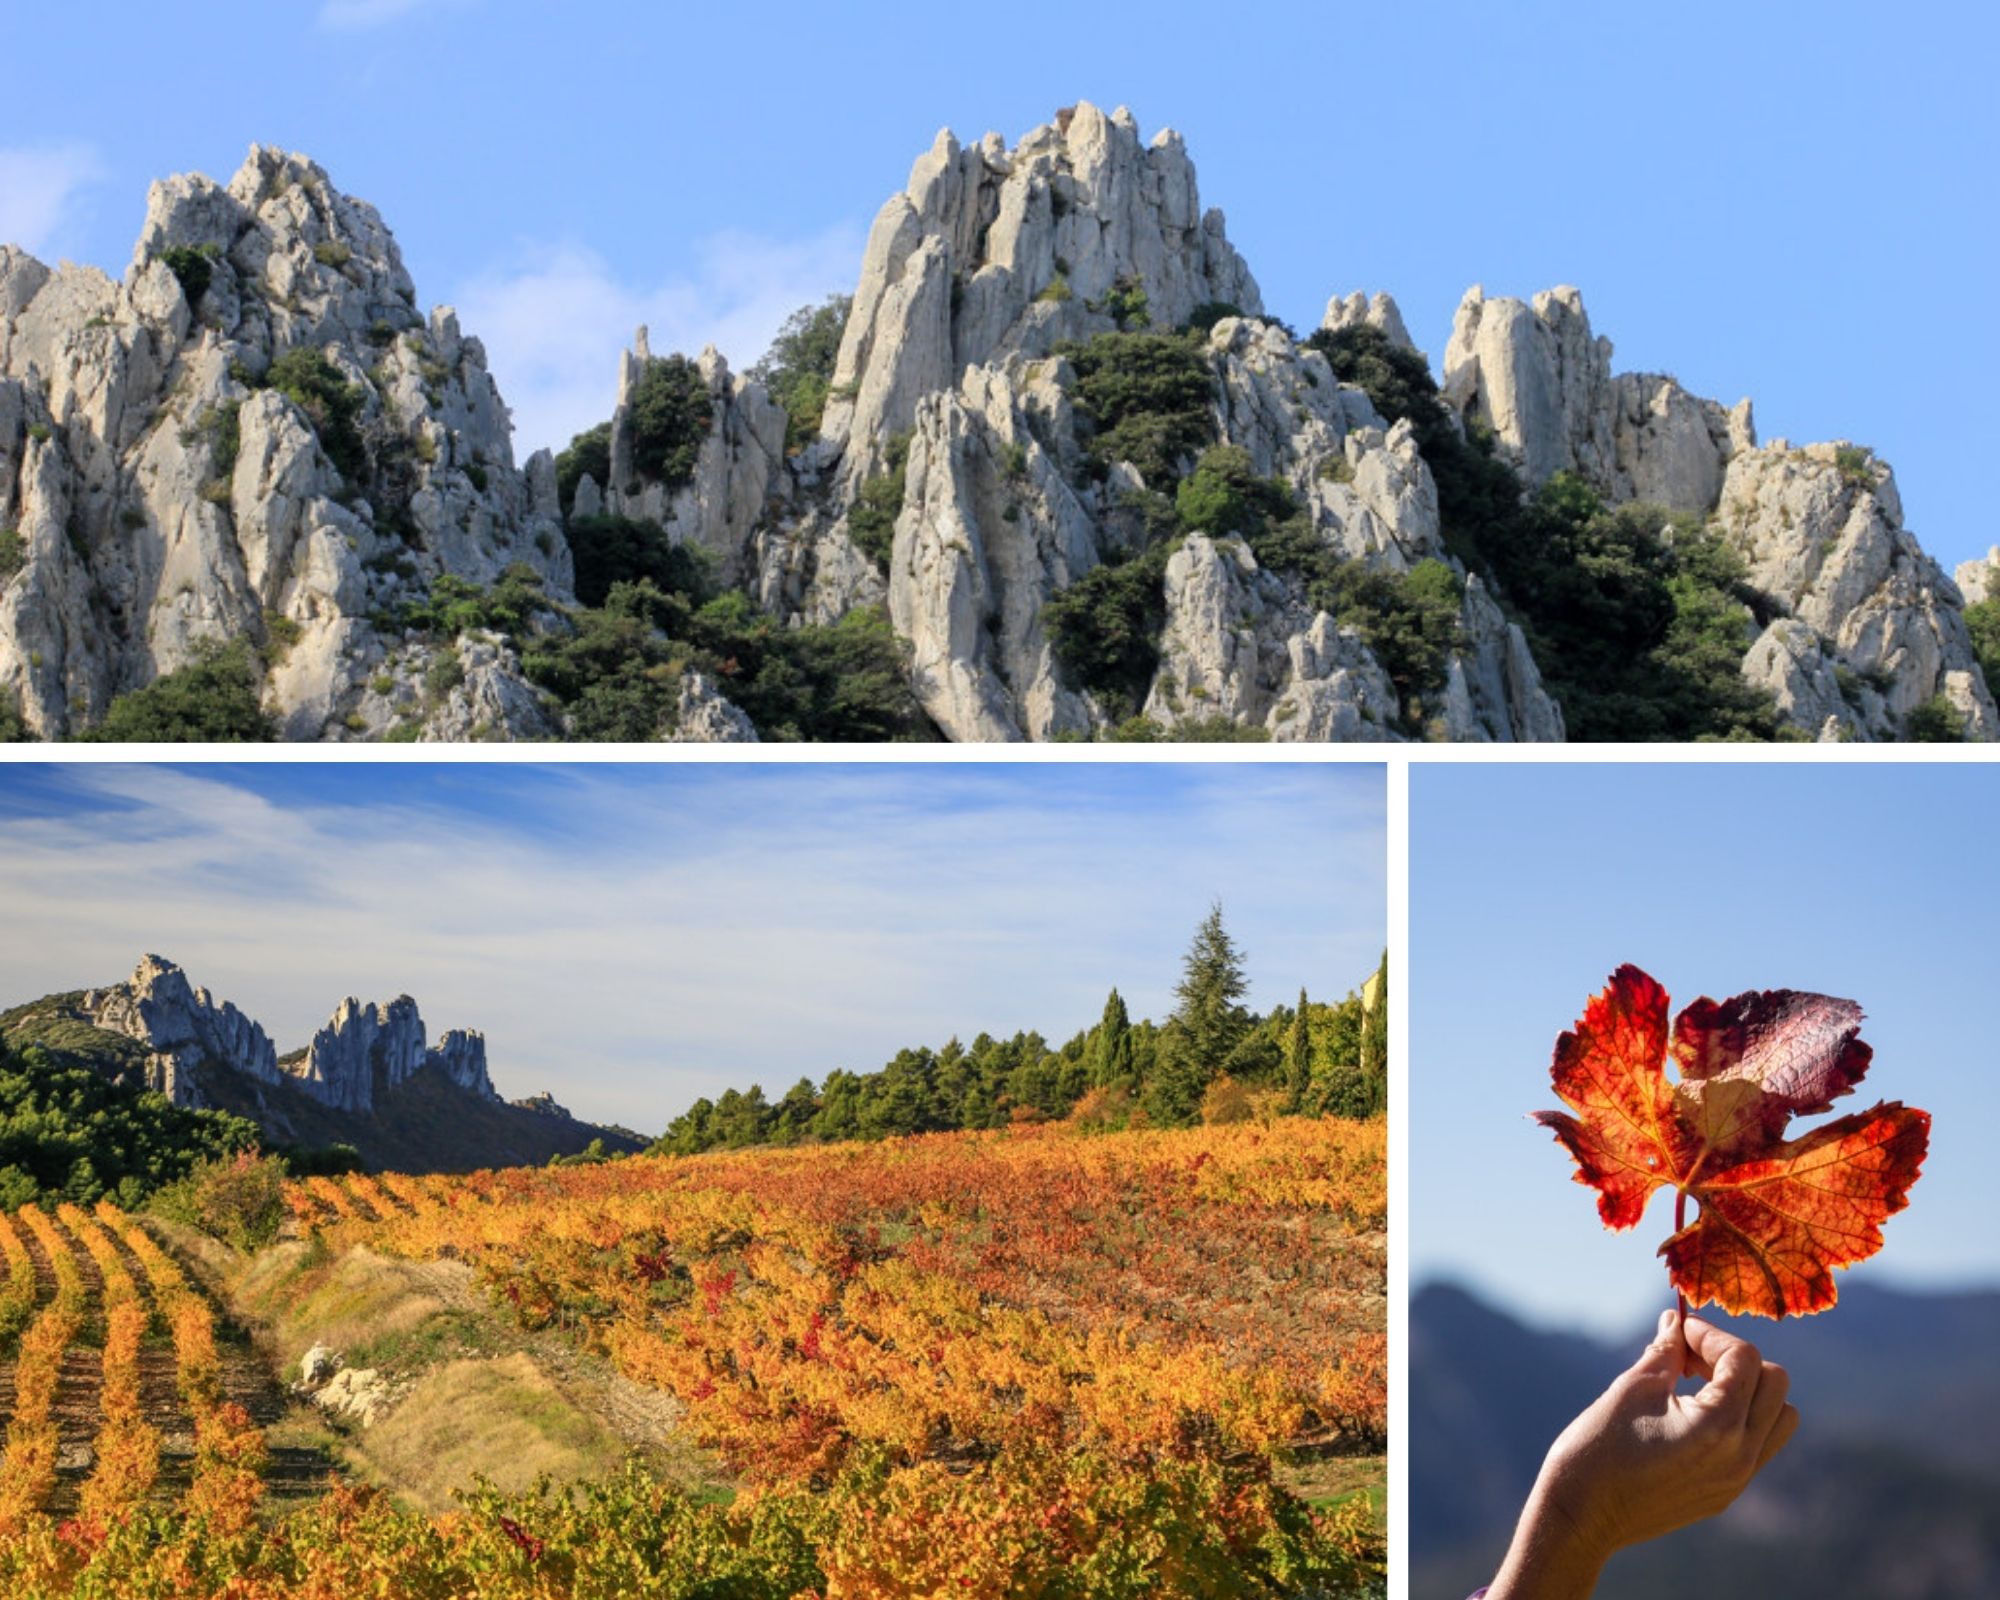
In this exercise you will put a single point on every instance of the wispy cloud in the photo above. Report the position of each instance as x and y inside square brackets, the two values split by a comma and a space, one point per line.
[630, 939]
[39, 190]
[555, 318]
[353, 15]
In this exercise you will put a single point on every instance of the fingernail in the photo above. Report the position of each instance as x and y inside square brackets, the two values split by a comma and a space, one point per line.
[1666, 1322]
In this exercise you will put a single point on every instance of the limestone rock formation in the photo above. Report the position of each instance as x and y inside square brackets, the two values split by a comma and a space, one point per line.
[990, 252]
[172, 481]
[1378, 311]
[1979, 581]
[255, 435]
[1542, 381]
[182, 1026]
[1821, 531]
[365, 1050]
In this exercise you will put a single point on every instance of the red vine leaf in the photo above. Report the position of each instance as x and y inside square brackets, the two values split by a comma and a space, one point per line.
[1777, 1215]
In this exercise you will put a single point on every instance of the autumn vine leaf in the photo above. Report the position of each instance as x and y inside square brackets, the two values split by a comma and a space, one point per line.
[1776, 1215]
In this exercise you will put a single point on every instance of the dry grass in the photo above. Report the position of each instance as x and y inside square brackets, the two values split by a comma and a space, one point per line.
[502, 1418]
[359, 1303]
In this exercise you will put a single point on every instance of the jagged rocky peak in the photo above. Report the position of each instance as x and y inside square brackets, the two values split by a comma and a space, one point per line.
[1979, 581]
[256, 435]
[990, 251]
[1868, 627]
[368, 1049]
[1359, 310]
[1541, 380]
[182, 1026]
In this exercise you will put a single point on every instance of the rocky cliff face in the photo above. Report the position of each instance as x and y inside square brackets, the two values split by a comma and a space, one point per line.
[366, 1050]
[166, 481]
[182, 1026]
[165, 492]
[1870, 627]
[363, 1050]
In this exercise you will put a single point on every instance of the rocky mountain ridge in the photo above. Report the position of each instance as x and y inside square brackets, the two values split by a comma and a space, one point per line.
[369, 1078]
[255, 436]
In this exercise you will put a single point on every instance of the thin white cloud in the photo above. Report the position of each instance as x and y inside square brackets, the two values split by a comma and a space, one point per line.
[39, 190]
[555, 319]
[644, 942]
[353, 15]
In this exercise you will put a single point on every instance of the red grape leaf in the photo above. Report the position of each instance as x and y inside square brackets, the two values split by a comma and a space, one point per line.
[1776, 1215]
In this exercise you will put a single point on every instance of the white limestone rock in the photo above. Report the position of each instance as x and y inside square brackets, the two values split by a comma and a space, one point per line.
[704, 715]
[184, 1028]
[1358, 310]
[1239, 644]
[738, 470]
[1820, 530]
[989, 531]
[165, 499]
[1979, 581]
[1541, 380]
[990, 252]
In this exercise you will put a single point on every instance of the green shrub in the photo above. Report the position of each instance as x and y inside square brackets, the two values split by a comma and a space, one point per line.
[798, 368]
[221, 429]
[871, 521]
[1189, 730]
[843, 681]
[1982, 621]
[444, 674]
[280, 634]
[1202, 320]
[1223, 495]
[588, 453]
[214, 699]
[1147, 399]
[613, 550]
[74, 1128]
[1105, 628]
[1936, 721]
[332, 254]
[1127, 305]
[311, 382]
[456, 605]
[14, 727]
[1856, 465]
[13, 553]
[1638, 620]
[1055, 292]
[670, 410]
[239, 1199]
[194, 266]
[39, 432]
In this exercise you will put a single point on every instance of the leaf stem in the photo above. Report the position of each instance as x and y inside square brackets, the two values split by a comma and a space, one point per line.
[1680, 1222]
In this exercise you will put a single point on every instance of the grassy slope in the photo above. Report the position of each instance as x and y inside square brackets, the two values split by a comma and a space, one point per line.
[486, 1399]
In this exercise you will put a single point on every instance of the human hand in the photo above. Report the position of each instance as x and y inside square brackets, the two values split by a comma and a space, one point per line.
[1644, 1460]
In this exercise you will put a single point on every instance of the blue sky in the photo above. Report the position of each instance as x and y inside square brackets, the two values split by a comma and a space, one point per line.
[1787, 201]
[630, 937]
[1529, 885]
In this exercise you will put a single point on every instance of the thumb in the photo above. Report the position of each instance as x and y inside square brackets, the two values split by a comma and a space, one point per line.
[1666, 1357]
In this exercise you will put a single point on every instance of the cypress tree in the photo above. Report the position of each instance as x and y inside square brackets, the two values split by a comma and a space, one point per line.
[1298, 1062]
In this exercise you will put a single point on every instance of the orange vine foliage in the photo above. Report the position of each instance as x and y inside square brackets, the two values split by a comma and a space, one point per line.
[1143, 1295]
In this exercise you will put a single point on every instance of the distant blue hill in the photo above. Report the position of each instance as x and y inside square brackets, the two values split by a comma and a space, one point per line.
[1891, 1488]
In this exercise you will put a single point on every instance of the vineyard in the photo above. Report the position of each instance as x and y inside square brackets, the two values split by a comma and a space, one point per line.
[1016, 1363]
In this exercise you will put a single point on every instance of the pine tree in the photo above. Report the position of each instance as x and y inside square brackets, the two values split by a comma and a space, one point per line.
[1207, 1024]
[1298, 1057]
[1211, 983]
